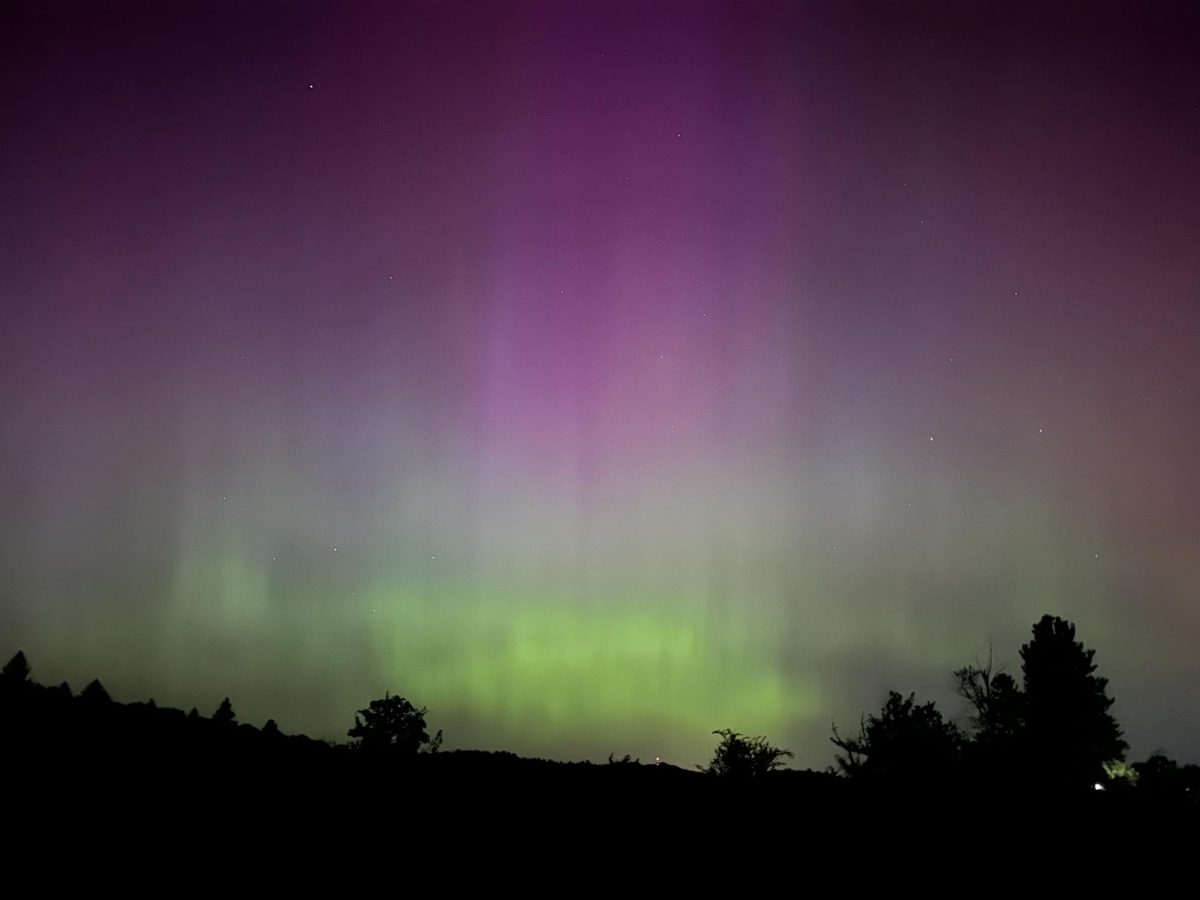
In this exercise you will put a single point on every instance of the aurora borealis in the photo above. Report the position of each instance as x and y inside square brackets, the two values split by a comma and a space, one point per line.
[600, 374]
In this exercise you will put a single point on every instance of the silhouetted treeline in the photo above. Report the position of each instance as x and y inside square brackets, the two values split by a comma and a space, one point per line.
[1048, 738]
[53, 724]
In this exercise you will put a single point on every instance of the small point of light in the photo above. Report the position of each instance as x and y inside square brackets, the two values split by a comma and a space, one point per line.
[335, 549]
[310, 85]
[1097, 786]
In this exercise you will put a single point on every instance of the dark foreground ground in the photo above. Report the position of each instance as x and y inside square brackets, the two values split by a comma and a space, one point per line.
[151, 788]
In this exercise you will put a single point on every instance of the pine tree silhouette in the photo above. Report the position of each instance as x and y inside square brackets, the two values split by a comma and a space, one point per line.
[1069, 731]
[225, 714]
[17, 669]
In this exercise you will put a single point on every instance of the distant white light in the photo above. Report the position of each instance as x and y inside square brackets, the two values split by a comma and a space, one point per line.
[1098, 786]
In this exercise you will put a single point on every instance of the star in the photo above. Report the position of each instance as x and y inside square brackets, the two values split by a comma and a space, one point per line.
[310, 85]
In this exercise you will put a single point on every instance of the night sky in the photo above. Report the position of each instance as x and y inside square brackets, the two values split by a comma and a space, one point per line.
[599, 374]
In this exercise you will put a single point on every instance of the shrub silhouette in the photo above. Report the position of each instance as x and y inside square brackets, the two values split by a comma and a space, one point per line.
[392, 724]
[739, 756]
[996, 751]
[997, 704]
[906, 739]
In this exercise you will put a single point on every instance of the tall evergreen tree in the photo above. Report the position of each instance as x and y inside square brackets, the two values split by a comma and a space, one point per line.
[1069, 731]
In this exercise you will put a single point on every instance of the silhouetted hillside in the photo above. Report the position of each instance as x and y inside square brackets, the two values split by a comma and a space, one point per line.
[87, 748]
